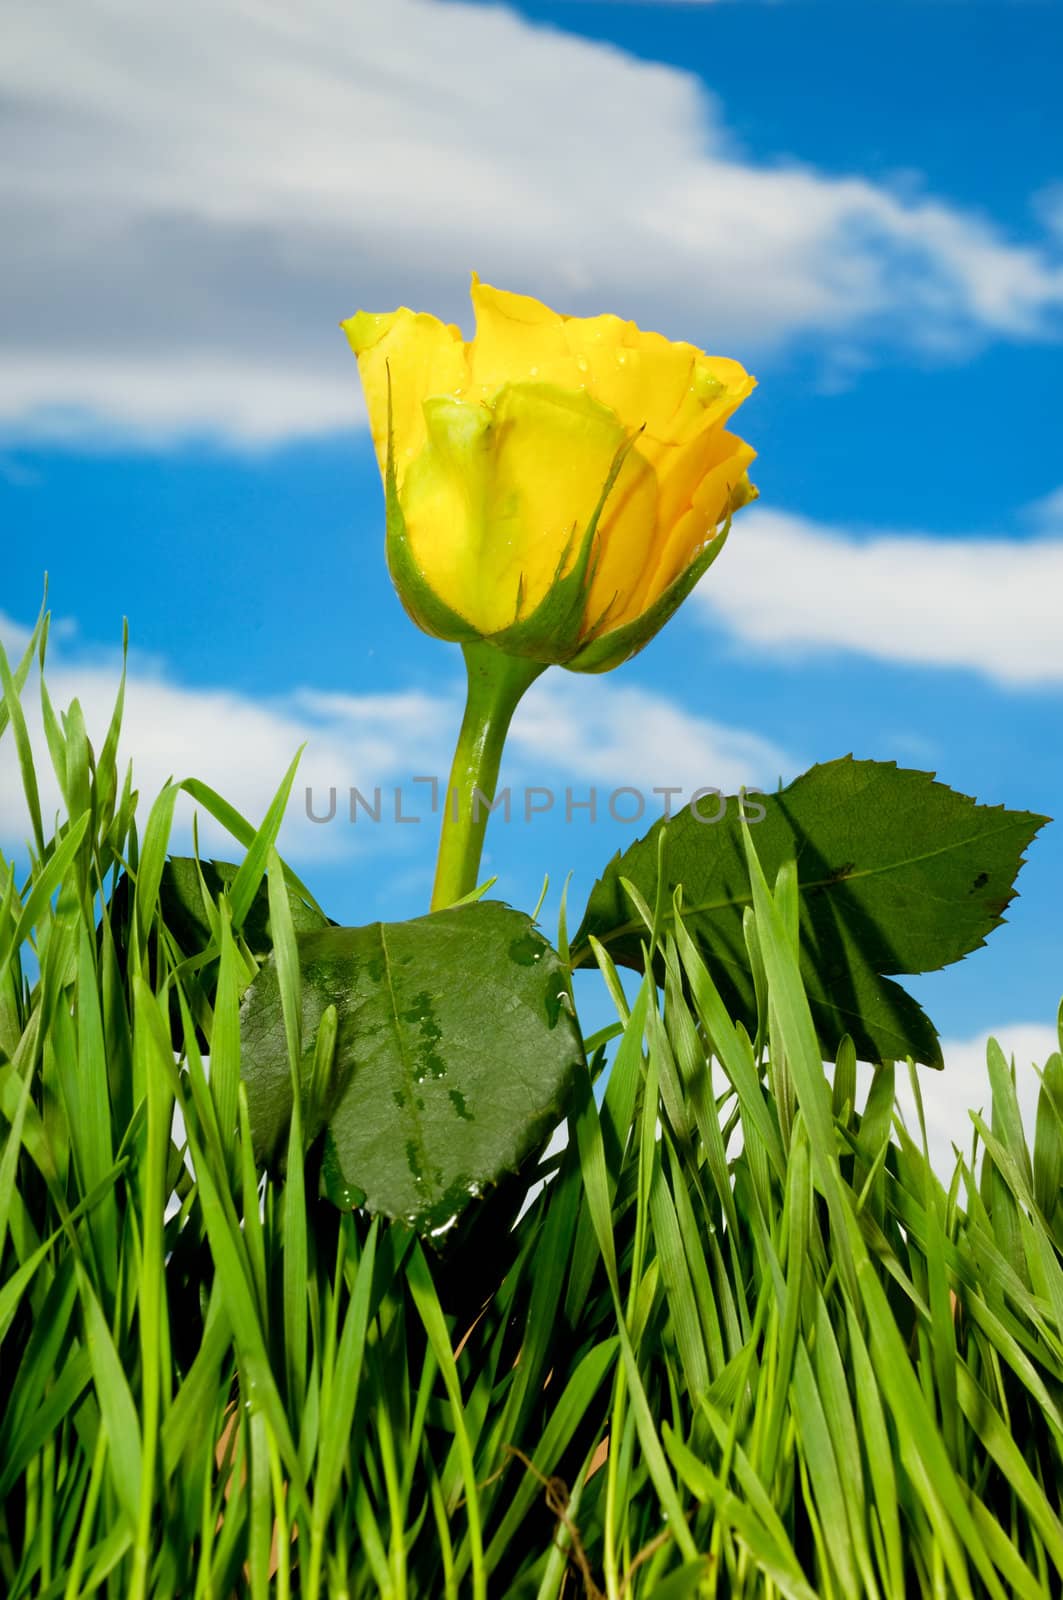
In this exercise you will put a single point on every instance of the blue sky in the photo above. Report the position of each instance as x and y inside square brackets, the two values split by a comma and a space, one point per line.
[863, 204]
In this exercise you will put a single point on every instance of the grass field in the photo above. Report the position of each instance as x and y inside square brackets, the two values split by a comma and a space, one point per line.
[738, 1346]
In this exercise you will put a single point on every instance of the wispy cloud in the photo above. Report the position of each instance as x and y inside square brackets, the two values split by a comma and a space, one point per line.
[989, 605]
[239, 745]
[948, 1096]
[568, 731]
[203, 191]
[610, 734]
[963, 1086]
[14, 636]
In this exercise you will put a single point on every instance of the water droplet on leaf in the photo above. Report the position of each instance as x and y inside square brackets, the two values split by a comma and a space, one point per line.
[526, 950]
[457, 1100]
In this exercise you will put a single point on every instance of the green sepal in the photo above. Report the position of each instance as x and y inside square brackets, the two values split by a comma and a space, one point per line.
[609, 649]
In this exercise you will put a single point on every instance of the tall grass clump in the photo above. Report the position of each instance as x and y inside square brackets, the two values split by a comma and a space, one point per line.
[738, 1344]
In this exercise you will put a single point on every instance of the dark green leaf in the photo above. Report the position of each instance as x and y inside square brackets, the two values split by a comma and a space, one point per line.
[454, 1053]
[181, 900]
[182, 910]
[185, 915]
[898, 874]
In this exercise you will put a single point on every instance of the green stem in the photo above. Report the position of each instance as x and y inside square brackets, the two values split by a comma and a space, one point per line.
[496, 683]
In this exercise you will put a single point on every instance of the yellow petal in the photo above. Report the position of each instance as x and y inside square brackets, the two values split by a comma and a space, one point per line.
[728, 374]
[425, 357]
[642, 377]
[517, 339]
[626, 535]
[682, 467]
[500, 497]
[717, 389]
[707, 508]
[503, 446]
[443, 500]
[713, 494]
[367, 328]
[552, 452]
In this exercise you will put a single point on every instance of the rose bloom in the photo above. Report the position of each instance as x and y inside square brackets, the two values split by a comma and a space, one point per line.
[555, 485]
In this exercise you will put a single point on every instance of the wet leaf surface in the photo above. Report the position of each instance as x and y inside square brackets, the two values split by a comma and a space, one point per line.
[454, 1052]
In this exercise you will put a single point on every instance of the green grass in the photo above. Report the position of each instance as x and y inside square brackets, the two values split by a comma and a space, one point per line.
[806, 1369]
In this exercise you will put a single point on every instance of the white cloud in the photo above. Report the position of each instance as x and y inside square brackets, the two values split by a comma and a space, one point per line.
[96, 398]
[239, 746]
[14, 638]
[1048, 203]
[991, 605]
[1046, 514]
[948, 1096]
[195, 196]
[611, 734]
[963, 1086]
[588, 730]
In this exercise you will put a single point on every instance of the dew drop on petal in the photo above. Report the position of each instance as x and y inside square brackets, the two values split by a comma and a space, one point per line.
[705, 386]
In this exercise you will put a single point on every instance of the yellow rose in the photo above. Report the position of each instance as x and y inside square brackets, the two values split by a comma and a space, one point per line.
[555, 486]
